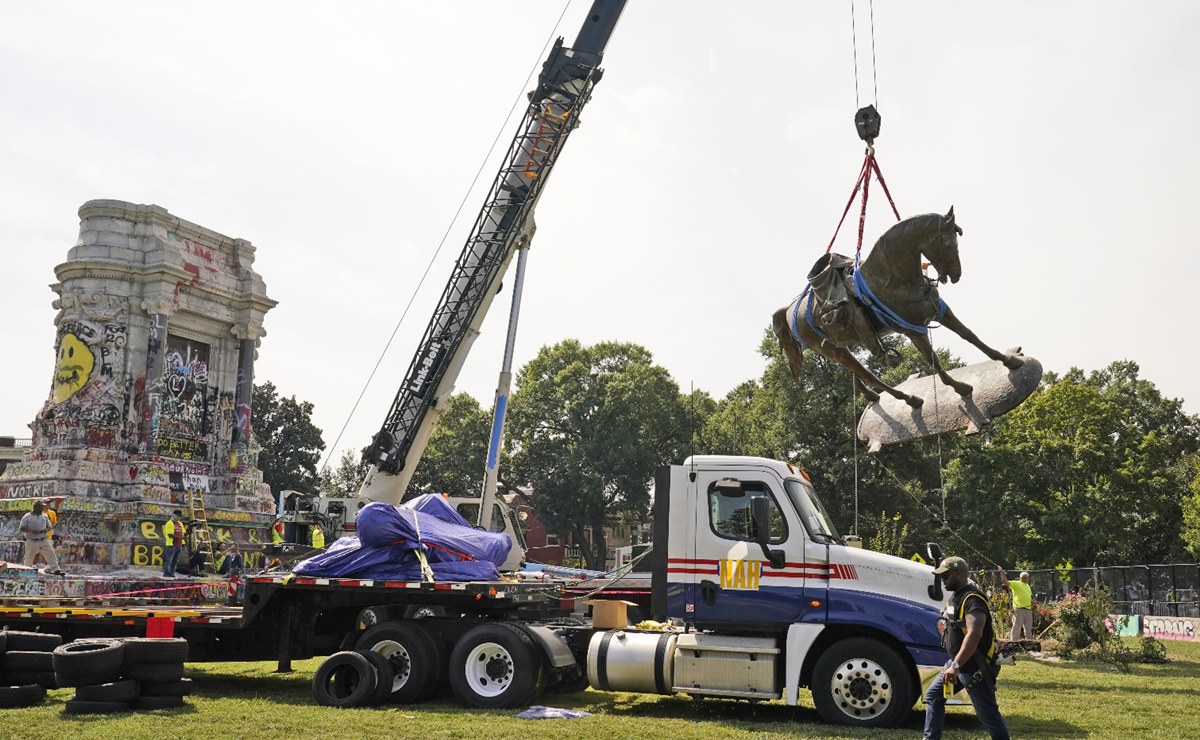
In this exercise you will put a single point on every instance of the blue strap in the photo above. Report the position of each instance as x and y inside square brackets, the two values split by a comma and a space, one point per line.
[885, 315]
[794, 324]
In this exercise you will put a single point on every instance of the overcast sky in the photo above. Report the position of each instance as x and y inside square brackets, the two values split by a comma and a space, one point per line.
[711, 168]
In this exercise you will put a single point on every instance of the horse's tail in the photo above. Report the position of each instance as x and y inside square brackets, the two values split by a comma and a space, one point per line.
[791, 348]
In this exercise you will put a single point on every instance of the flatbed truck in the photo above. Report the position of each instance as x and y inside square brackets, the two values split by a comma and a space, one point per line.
[761, 596]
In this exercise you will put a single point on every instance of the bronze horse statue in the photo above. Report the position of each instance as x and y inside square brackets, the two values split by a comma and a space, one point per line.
[852, 305]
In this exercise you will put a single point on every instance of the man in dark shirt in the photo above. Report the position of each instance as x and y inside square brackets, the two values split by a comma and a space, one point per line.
[970, 638]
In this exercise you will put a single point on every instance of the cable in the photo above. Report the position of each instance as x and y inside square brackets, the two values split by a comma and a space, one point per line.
[874, 72]
[446, 235]
[854, 47]
[925, 507]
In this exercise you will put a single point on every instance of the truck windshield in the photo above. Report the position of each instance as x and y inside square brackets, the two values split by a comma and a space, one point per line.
[811, 510]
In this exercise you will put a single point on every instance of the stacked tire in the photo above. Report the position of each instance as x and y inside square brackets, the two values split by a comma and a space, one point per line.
[353, 678]
[121, 675]
[157, 664]
[26, 667]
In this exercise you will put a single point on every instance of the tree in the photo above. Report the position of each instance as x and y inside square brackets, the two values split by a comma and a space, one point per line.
[587, 429]
[346, 479]
[291, 443]
[454, 459]
[1089, 469]
[811, 422]
[890, 535]
[1191, 511]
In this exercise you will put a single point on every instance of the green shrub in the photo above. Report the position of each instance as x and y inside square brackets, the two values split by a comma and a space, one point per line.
[1081, 620]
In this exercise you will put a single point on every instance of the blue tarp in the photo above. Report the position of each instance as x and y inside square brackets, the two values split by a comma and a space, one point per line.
[383, 547]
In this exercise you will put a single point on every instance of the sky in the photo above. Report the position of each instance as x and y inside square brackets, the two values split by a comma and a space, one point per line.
[708, 174]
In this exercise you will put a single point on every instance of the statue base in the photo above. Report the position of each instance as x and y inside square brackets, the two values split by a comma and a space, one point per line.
[997, 390]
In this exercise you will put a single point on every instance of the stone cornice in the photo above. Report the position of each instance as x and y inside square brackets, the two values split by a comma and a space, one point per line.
[109, 269]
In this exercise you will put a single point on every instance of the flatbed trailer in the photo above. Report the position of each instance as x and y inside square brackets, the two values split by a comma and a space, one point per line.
[288, 617]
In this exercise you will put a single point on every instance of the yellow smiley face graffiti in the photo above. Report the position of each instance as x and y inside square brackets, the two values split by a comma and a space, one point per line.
[74, 367]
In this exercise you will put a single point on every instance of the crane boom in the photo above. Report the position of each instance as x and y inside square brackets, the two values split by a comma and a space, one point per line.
[504, 223]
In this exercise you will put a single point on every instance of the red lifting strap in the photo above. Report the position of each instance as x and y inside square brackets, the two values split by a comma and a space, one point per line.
[870, 165]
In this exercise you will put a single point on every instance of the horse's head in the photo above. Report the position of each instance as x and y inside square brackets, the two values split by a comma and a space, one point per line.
[942, 251]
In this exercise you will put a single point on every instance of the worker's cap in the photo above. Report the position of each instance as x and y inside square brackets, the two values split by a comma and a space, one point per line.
[45, 501]
[951, 563]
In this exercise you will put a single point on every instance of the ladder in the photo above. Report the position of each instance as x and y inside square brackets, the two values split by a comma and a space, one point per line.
[201, 533]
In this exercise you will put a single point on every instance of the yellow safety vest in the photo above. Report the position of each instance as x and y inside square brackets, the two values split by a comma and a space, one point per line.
[169, 532]
[318, 537]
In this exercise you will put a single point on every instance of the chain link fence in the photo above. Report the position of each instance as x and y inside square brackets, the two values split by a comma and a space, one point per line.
[1170, 590]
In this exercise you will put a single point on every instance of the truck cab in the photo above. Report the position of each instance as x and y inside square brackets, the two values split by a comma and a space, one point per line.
[772, 600]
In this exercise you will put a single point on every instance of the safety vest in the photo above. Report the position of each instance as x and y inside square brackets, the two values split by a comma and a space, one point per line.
[318, 537]
[1022, 595]
[171, 535]
[956, 629]
[277, 533]
[53, 521]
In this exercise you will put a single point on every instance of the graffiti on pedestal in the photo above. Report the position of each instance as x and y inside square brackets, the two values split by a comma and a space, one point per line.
[183, 449]
[179, 396]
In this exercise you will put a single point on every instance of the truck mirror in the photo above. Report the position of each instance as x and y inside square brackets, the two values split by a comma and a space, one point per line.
[934, 550]
[760, 518]
[730, 488]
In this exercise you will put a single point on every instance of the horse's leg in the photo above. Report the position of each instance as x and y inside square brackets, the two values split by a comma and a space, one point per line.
[951, 322]
[787, 342]
[846, 359]
[922, 343]
[861, 387]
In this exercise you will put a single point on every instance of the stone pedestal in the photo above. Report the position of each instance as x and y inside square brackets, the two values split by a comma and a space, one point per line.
[157, 327]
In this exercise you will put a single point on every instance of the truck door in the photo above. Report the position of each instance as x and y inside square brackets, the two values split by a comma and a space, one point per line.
[732, 581]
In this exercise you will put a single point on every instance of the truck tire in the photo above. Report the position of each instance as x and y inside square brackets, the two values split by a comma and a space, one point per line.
[384, 676]
[157, 702]
[42, 642]
[182, 687]
[90, 657]
[26, 695]
[80, 706]
[413, 655]
[345, 679]
[496, 666]
[121, 691]
[28, 661]
[155, 649]
[45, 679]
[862, 682]
[153, 672]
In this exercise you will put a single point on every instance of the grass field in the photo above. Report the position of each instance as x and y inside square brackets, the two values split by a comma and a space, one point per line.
[247, 700]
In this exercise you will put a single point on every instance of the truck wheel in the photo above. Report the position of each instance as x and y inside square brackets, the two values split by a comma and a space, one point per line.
[496, 666]
[28, 660]
[862, 682]
[155, 649]
[412, 654]
[25, 695]
[37, 641]
[125, 691]
[384, 676]
[344, 680]
[88, 656]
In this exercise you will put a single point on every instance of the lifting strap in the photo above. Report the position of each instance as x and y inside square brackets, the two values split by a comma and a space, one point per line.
[870, 165]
